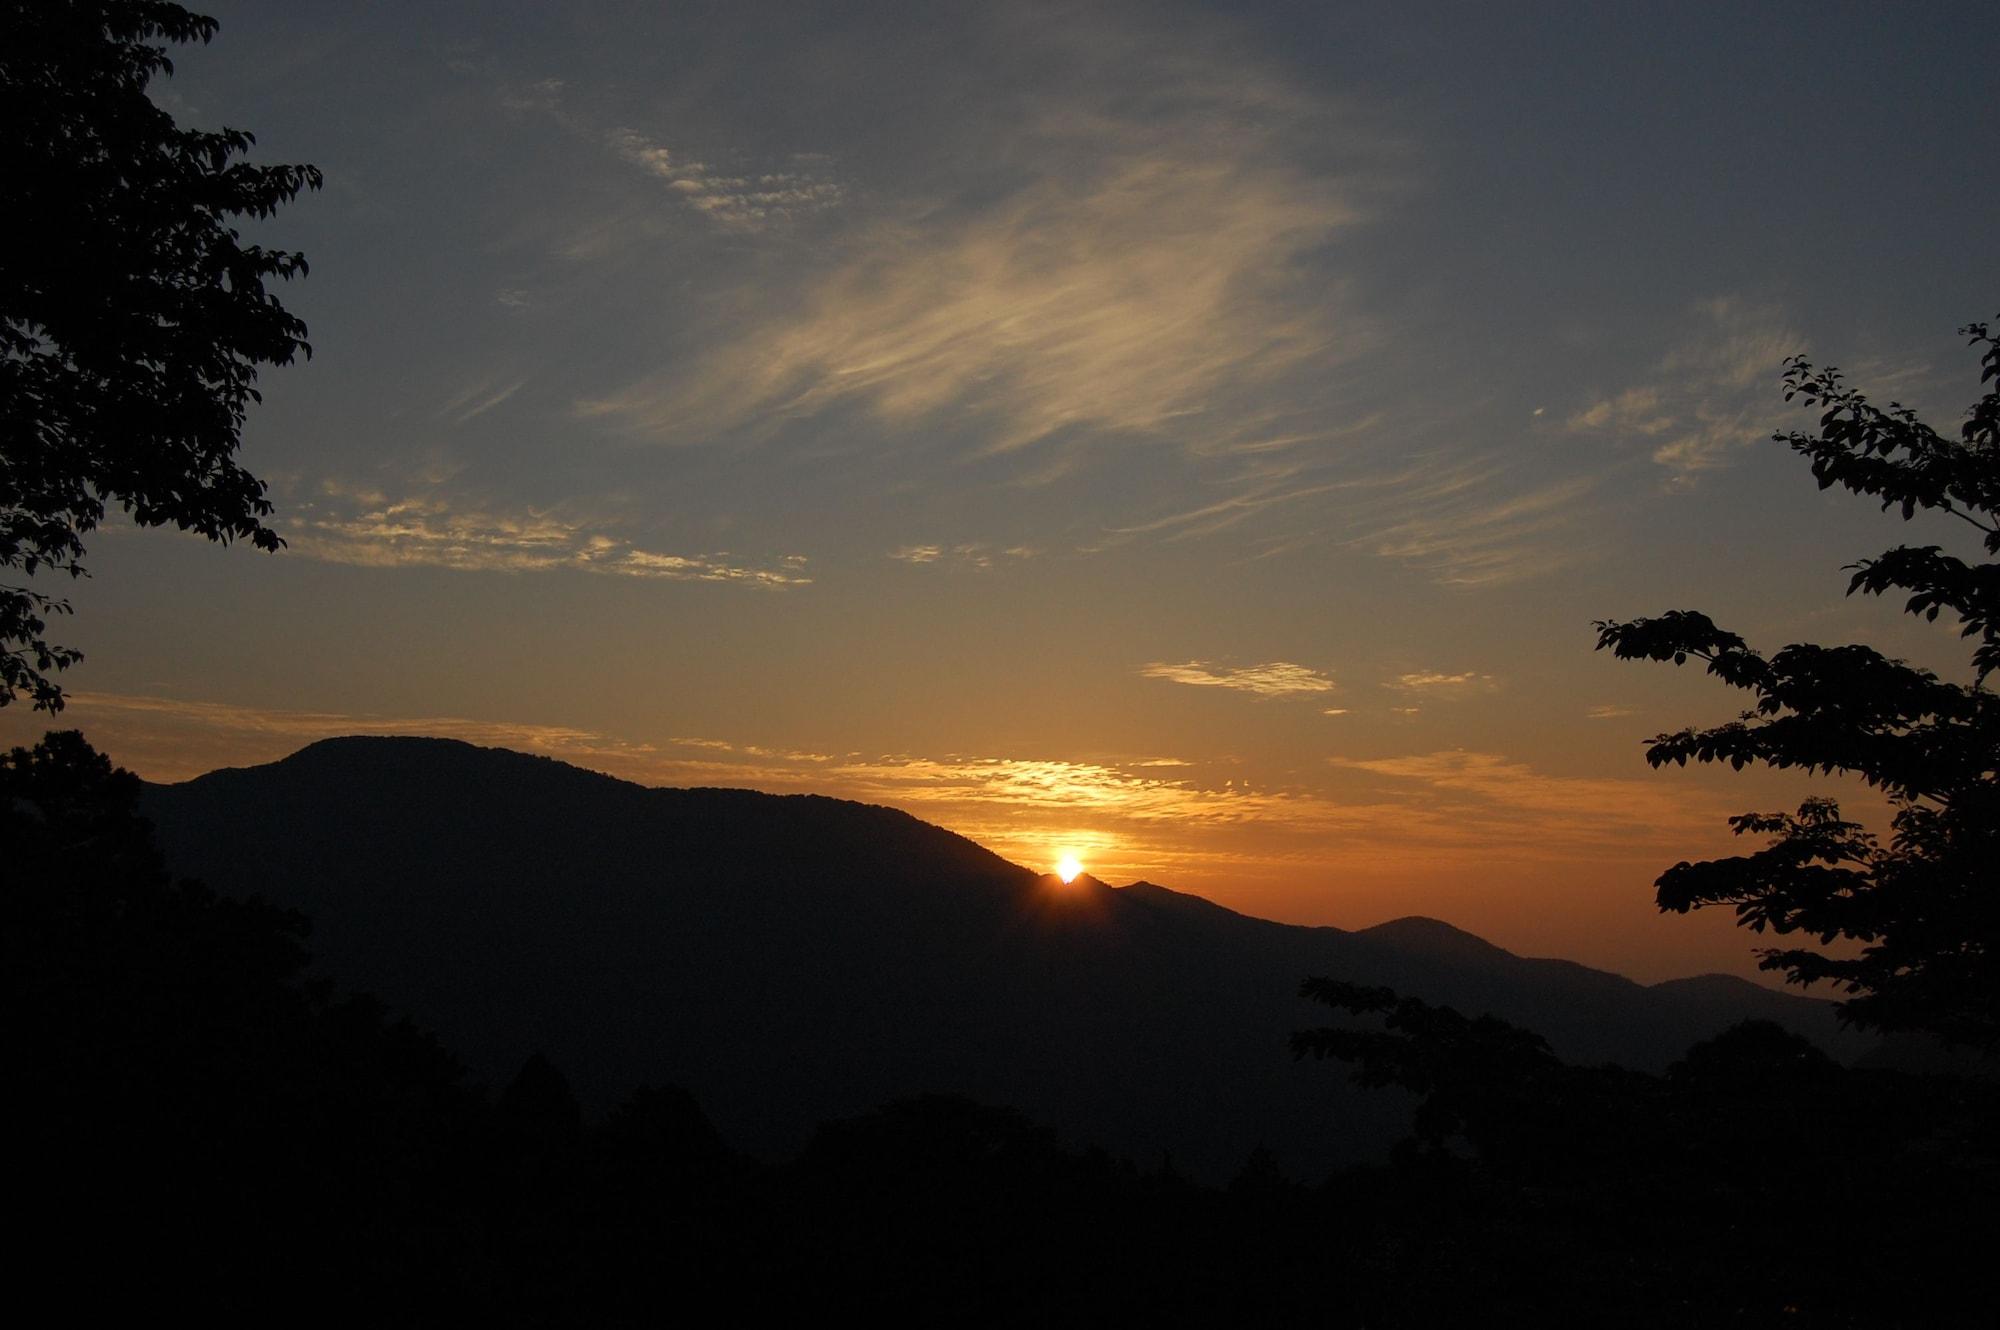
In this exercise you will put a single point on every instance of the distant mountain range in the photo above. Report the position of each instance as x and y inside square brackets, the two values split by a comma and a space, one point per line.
[795, 958]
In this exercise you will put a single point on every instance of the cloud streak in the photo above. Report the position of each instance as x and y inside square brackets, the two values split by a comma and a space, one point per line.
[1444, 687]
[1278, 678]
[1492, 799]
[1446, 521]
[750, 201]
[966, 556]
[1711, 395]
[372, 530]
[477, 400]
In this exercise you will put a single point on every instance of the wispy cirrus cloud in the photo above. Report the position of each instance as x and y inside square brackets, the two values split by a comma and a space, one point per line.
[479, 398]
[748, 200]
[1129, 267]
[371, 529]
[1278, 678]
[972, 555]
[1150, 257]
[1471, 522]
[1506, 802]
[1711, 395]
[739, 199]
[1448, 521]
[754, 750]
[1254, 499]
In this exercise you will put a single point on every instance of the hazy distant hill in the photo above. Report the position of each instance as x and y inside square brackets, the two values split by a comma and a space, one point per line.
[794, 958]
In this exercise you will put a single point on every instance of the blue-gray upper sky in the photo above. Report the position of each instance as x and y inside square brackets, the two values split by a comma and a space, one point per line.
[1196, 436]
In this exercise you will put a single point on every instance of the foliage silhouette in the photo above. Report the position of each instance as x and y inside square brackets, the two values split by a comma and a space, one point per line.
[1479, 1080]
[177, 1093]
[133, 318]
[1921, 909]
[1725, 1190]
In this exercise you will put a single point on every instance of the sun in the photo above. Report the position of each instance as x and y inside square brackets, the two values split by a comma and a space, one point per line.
[1068, 867]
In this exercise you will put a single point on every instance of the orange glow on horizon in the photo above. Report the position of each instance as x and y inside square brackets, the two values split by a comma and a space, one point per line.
[1542, 862]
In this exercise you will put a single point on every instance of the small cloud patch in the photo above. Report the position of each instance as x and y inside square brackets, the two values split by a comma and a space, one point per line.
[1442, 686]
[750, 201]
[1278, 678]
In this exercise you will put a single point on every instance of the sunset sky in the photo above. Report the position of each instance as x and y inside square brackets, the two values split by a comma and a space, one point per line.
[1198, 438]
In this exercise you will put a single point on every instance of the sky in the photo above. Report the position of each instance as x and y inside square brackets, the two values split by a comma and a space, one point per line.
[1194, 437]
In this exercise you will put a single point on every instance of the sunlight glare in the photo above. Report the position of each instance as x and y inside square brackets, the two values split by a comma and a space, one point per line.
[1068, 867]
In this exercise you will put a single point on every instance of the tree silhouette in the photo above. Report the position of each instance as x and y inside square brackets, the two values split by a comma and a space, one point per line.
[1921, 910]
[1723, 1191]
[1479, 1080]
[219, 1125]
[133, 318]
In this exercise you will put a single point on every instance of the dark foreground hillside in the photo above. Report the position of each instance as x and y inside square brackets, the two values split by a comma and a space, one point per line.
[195, 1123]
[795, 959]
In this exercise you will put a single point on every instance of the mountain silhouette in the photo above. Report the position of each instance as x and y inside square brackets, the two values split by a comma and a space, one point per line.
[793, 958]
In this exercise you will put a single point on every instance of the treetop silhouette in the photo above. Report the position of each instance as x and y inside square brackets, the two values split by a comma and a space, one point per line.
[133, 317]
[1921, 908]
